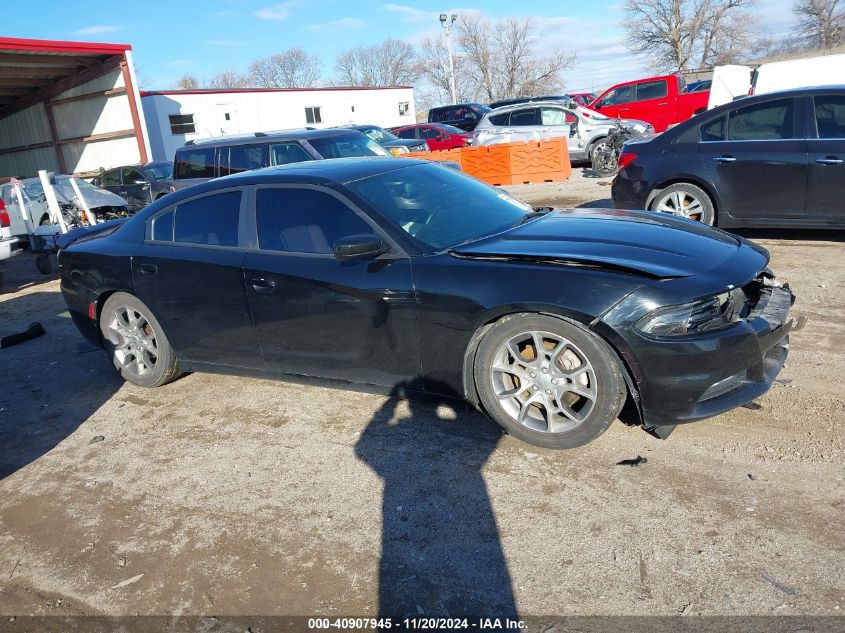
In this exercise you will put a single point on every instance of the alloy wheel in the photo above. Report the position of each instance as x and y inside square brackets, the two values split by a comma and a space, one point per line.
[544, 381]
[134, 340]
[681, 203]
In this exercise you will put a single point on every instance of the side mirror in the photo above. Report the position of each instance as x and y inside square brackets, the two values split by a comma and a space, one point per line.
[598, 105]
[359, 247]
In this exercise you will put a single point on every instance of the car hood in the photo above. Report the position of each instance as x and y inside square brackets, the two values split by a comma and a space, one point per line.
[651, 244]
[94, 197]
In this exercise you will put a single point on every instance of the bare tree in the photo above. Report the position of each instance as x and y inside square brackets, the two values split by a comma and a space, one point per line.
[187, 82]
[291, 68]
[433, 69]
[228, 79]
[821, 22]
[682, 34]
[391, 63]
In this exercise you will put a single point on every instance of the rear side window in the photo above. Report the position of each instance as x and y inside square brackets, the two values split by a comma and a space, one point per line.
[284, 153]
[211, 220]
[762, 121]
[303, 220]
[111, 178]
[714, 130]
[500, 119]
[343, 146]
[552, 116]
[430, 132]
[409, 133]
[528, 116]
[440, 114]
[194, 162]
[652, 90]
[245, 158]
[830, 116]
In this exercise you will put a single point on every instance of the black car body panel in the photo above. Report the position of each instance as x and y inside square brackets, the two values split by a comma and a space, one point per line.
[413, 314]
[795, 176]
[462, 115]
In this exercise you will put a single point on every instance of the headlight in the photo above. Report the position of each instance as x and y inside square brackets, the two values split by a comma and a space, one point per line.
[399, 149]
[698, 317]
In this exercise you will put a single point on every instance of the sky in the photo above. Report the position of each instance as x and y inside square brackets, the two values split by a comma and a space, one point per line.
[170, 39]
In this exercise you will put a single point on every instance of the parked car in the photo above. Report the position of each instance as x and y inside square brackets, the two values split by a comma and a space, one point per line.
[583, 98]
[411, 277]
[436, 135]
[549, 119]
[198, 161]
[138, 184]
[463, 115]
[389, 140]
[515, 101]
[771, 160]
[9, 244]
[104, 204]
[661, 101]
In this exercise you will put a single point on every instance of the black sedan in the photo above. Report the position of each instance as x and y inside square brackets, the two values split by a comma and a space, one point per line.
[774, 160]
[139, 184]
[405, 274]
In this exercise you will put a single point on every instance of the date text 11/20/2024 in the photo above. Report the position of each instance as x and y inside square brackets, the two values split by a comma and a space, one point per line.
[417, 624]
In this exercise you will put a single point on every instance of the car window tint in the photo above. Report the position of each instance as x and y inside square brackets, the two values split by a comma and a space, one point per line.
[623, 94]
[429, 132]
[303, 220]
[552, 116]
[284, 153]
[163, 227]
[652, 90]
[194, 162]
[130, 175]
[714, 130]
[409, 133]
[500, 119]
[346, 145]
[527, 116]
[246, 158]
[762, 121]
[830, 116]
[111, 178]
[211, 220]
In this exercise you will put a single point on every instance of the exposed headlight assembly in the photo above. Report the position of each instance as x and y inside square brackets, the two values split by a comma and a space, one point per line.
[698, 317]
[399, 149]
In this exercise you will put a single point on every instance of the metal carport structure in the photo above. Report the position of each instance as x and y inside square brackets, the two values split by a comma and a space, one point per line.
[68, 107]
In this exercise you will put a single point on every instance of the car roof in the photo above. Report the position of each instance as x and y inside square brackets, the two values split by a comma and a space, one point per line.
[259, 137]
[791, 92]
[458, 105]
[527, 104]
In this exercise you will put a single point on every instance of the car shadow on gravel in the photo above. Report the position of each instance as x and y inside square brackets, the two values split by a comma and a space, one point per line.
[441, 551]
[49, 385]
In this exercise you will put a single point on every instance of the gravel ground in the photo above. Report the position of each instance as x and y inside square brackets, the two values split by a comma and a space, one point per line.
[237, 496]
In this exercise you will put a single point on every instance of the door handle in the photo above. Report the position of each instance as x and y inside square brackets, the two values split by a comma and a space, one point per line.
[664, 103]
[829, 161]
[148, 270]
[724, 159]
[263, 286]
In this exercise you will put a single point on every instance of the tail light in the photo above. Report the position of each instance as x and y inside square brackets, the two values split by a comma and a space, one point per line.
[5, 221]
[625, 159]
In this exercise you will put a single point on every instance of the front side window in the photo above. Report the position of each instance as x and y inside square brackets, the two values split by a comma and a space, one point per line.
[284, 153]
[407, 133]
[182, 124]
[194, 162]
[500, 119]
[346, 145]
[210, 220]
[618, 96]
[132, 176]
[830, 116]
[303, 220]
[762, 121]
[430, 133]
[652, 90]
[245, 158]
[440, 207]
[111, 178]
[527, 116]
[312, 115]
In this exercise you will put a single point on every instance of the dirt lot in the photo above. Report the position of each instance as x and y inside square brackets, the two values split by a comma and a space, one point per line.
[221, 495]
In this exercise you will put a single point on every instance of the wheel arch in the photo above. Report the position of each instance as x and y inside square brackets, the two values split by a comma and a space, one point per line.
[687, 179]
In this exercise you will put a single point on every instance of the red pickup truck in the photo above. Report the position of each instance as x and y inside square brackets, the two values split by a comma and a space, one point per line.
[661, 101]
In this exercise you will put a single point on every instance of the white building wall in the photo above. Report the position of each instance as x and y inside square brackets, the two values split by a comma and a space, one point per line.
[268, 111]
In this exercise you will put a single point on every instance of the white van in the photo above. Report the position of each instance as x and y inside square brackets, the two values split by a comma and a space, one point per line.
[733, 81]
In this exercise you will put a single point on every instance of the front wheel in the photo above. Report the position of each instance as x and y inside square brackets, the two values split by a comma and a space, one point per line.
[136, 342]
[604, 159]
[687, 201]
[547, 381]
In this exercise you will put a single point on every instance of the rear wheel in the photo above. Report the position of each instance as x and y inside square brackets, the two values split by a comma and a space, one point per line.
[547, 381]
[136, 342]
[687, 201]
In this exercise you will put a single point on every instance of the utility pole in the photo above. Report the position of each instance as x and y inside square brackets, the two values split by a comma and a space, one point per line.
[446, 21]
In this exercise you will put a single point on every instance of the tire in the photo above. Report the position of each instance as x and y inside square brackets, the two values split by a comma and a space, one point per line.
[43, 264]
[607, 166]
[521, 394]
[685, 200]
[136, 342]
[592, 147]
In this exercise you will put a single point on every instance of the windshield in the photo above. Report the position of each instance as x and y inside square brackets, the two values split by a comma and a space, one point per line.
[438, 206]
[379, 135]
[347, 145]
[159, 171]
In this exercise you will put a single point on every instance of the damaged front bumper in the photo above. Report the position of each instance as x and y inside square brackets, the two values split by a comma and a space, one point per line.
[698, 377]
